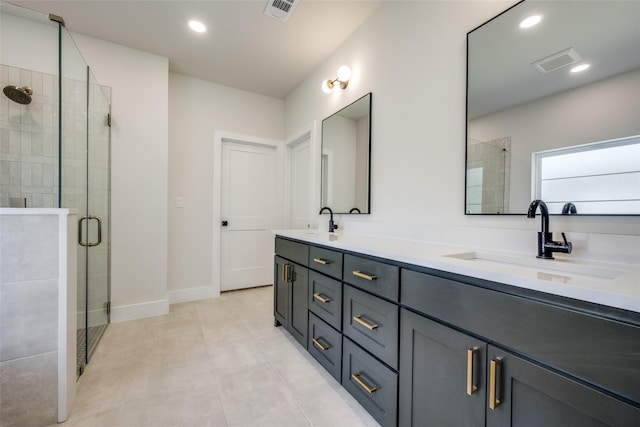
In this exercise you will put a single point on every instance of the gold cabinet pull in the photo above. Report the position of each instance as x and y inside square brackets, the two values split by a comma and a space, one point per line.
[494, 379]
[364, 275]
[471, 357]
[322, 261]
[369, 326]
[320, 298]
[369, 389]
[318, 344]
[285, 272]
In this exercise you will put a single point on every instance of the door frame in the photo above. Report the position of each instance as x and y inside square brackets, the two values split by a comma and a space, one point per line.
[314, 180]
[219, 137]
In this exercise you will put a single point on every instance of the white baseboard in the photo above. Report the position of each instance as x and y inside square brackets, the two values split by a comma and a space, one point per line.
[139, 311]
[193, 294]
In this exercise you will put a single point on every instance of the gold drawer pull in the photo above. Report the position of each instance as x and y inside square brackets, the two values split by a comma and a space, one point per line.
[369, 389]
[369, 326]
[494, 379]
[318, 344]
[320, 298]
[364, 275]
[322, 261]
[471, 357]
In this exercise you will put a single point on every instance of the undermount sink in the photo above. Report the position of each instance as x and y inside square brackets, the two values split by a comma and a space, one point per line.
[555, 270]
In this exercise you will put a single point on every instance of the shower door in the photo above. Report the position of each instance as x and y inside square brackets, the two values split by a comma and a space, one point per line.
[85, 187]
[97, 217]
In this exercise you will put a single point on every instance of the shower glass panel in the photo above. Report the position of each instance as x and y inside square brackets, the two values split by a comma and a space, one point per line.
[28, 132]
[85, 160]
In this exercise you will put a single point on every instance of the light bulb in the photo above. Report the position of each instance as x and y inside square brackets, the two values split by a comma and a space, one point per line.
[530, 21]
[344, 73]
[197, 26]
[327, 86]
[579, 68]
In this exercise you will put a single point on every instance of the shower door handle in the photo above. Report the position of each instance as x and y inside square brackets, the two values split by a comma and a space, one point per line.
[89, 217]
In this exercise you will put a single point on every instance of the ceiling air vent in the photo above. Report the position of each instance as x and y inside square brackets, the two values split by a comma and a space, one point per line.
[557, 60]
[280, 9]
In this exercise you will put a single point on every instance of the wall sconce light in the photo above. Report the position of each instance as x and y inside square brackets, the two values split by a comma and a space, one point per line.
[344, 74]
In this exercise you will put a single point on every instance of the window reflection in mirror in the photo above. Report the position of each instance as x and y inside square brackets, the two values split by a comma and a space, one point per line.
[522, 98]
[346, 143]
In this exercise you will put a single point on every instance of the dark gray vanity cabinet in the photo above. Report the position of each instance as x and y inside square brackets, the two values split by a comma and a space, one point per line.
[525, 394]
[420, 347]
[559, 360]
[281, 285]
[449, 378]
[291, 287]
[442, 379]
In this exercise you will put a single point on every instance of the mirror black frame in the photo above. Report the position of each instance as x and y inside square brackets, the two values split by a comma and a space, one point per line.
[368, 179]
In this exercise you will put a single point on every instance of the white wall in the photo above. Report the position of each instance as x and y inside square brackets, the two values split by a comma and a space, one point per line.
[412, 55]
[197, 109]
[29, 42]
[139, 177]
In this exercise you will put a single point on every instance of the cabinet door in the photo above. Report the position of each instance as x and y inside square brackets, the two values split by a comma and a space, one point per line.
[524, 394]
[299, 306]
[281, 291]
[442, 379]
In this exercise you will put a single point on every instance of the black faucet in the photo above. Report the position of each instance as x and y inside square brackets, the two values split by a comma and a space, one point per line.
[546, 245]
[569, 209]
[332, 226]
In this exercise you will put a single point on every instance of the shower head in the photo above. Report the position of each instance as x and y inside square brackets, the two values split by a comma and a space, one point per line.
[21, 95]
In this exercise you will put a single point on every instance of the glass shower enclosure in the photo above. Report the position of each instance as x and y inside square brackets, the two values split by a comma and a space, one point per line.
[55, 149]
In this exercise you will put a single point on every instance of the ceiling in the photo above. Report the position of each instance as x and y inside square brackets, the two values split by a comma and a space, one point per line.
[243, 48]
[606, 34]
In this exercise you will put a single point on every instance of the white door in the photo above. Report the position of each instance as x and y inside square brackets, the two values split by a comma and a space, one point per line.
[300, 184]
[249, 213]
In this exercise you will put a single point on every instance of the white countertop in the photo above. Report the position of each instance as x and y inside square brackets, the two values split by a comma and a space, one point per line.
[614, 285]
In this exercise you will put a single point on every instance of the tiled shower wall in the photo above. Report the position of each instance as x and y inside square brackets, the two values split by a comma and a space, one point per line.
[488, 176]
[28, 140]
[29, 283]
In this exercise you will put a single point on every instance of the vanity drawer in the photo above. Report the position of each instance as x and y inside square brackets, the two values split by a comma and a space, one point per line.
[293, 251]
[373, 323]
[325, 298]
[326, 261]
[374, 276]
[325, 344]
[371, 383]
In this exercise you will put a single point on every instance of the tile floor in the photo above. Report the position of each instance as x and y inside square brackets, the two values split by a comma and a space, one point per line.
[217, 362]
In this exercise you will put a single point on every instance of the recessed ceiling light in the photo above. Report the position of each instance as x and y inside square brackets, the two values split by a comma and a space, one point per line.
[530, 21]
[579, 68]
[197, 26]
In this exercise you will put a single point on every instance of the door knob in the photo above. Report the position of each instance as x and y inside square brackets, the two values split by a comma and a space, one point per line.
[225, 223]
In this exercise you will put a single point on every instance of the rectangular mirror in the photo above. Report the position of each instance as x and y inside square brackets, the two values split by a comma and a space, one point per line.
[346, 152]
[539, 129]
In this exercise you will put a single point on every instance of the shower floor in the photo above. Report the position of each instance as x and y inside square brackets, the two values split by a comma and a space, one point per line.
[89, 346]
